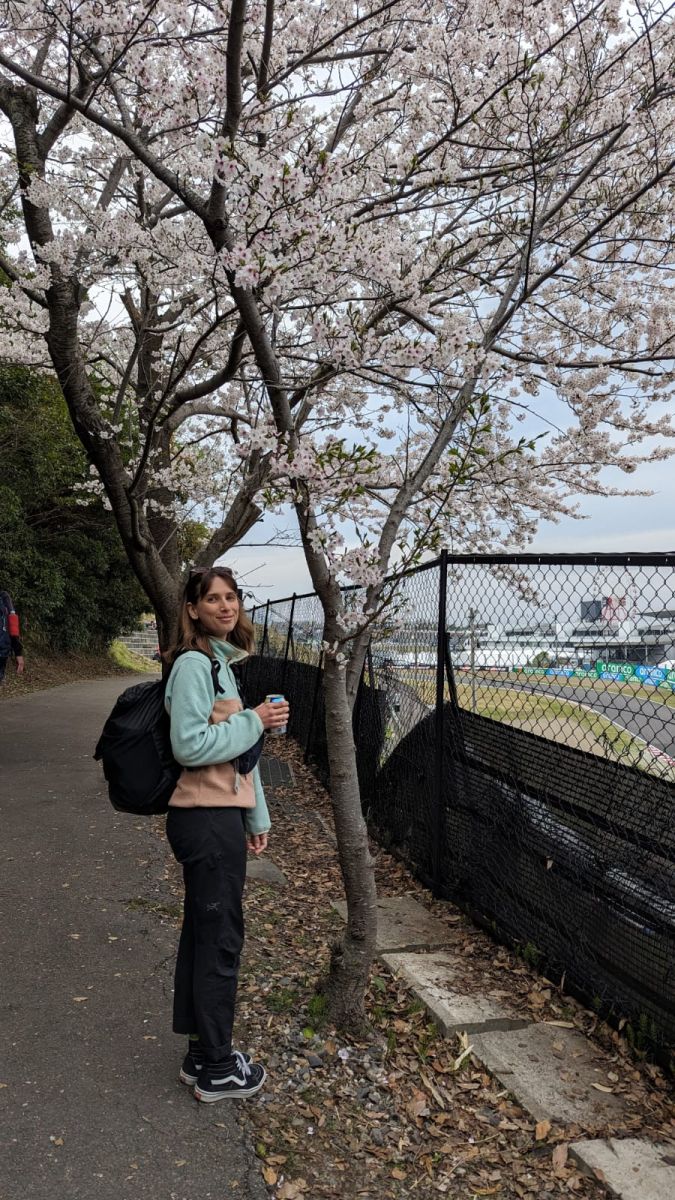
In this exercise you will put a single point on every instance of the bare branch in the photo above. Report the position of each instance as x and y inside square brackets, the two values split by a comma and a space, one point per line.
[265, 53]
[130, 139]
[11, 272]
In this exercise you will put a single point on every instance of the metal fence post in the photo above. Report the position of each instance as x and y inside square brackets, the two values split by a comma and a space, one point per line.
[264, 636]
[289, 639]
[459, 749]
[356, 716]
[315, 699]
[436, 815]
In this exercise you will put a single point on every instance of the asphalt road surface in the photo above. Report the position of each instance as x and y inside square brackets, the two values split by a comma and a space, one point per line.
[90, 1102]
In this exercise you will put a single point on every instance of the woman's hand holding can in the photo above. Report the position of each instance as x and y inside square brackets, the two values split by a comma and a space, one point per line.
[273, 713]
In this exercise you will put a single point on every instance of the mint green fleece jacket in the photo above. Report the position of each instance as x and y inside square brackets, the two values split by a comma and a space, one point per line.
[189, 701]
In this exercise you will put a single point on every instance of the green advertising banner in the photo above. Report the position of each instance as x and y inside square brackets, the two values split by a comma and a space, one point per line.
[625, 669]
[621, 672]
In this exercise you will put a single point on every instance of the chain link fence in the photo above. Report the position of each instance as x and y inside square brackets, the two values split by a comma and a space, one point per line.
[515, 738]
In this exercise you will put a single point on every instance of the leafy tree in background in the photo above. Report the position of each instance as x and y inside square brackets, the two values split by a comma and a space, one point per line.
[60, 554]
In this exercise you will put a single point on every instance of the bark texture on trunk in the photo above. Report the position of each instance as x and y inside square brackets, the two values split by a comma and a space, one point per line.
[352, 957]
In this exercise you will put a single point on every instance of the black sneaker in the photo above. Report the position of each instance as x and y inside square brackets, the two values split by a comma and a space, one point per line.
[193, 1063]
[241, 1078]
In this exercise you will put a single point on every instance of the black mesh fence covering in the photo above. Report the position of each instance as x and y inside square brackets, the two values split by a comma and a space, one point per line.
[515, 735]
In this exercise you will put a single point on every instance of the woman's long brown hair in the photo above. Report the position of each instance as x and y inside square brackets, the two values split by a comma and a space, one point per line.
[191, 635]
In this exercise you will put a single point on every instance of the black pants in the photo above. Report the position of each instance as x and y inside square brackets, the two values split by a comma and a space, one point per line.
[210, 845]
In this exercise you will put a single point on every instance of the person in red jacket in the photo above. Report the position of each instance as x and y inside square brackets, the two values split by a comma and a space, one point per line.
[10, 641]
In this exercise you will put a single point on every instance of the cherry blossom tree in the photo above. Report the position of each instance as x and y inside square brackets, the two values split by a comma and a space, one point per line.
[332, 256]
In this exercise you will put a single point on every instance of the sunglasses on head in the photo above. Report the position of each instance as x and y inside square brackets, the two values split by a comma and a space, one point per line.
[202, 571]
[196, 572]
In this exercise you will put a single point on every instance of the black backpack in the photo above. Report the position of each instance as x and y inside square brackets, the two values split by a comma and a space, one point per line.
[135, 750]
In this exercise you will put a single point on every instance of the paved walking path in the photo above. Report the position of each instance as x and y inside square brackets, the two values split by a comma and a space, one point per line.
[90, 1103]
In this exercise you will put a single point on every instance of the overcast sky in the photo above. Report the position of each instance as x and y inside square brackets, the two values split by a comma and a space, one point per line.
[614, 523]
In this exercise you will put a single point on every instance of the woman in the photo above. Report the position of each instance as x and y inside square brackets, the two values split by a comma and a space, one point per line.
[215, 810]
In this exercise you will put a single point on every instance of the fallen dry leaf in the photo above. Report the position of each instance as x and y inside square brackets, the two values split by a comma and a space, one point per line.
[573, 1183]
[292, 1189]
[542, 1129]
[600, 1087]
[79, 999]
[417, 1108]
[559, 1156]
[270, 1176]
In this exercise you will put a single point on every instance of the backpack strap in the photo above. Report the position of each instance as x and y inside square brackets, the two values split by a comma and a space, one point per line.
[236, 670]
[215, 668]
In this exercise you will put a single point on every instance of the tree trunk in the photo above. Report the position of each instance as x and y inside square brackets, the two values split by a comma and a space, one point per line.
[352, 957]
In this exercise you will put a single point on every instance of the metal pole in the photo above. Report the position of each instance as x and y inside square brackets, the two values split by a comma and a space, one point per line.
[472, 655]
[458, 748]
[315, 701]
[264, 636]
[356, 715]
[289, 636]
[437, 809]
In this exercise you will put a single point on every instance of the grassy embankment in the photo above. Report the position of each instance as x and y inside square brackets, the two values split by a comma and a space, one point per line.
[45, 669]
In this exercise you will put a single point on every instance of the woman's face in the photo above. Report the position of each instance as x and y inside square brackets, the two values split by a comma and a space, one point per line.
[218, 609]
